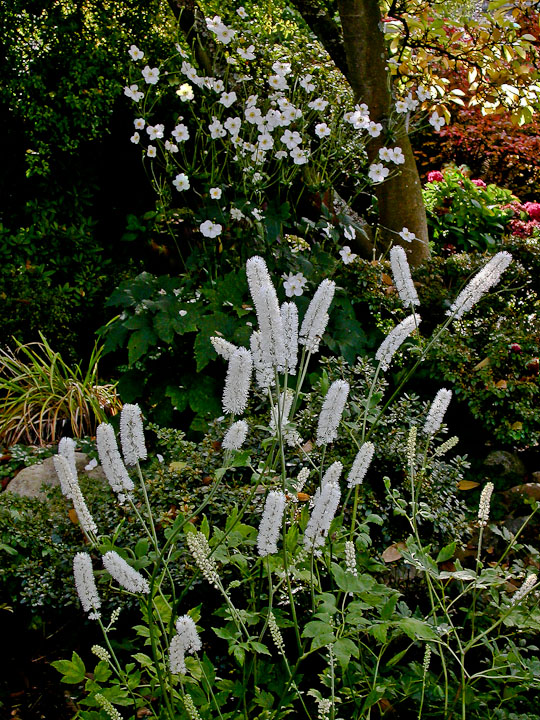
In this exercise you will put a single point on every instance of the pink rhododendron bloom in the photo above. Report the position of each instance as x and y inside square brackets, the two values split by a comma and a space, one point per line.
[533, 210]
[435, 176]
[479, 183]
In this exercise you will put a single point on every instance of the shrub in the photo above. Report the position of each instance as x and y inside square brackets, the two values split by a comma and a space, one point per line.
[466, 214]
[305, 588]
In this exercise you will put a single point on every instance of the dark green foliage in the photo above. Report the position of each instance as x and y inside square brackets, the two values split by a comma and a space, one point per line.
[68, 178]
[464, 216]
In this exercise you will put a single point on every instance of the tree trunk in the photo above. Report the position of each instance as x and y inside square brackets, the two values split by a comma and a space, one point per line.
[399, 198]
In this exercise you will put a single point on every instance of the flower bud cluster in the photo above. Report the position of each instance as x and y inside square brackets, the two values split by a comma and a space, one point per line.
[86, 585]
[437, 410]
[270, 525]
[124, 574]
[361, 464]
[132, 434]
[199, 548]
[484, 504]
[111, 460]
[186, 640]
[235, 435]
[331, 412]
[529, 583]
[395, 338]
[402, 276]
[480, 284]
[71, 484]
[276, 634]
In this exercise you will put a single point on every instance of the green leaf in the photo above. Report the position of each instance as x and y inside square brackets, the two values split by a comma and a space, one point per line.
[164, 327]
[351, 583]
[343, 649]
[102, 672]
[388, 608]
[239, 653]
[396, 658]
[260, 648]
[446, 552]
[321, 632]
[379, 631]
[73, 670]
[416, 629]
[143, 659]
[178, 397]
[139, 343]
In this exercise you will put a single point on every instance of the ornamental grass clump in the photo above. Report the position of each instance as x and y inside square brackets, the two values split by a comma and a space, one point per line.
[43, 397]
[291, 612]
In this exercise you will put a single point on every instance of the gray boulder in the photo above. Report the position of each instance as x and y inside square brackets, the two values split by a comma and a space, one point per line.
[33, 481]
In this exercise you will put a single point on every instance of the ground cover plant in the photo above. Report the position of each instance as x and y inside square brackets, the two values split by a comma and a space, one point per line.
[304, 588]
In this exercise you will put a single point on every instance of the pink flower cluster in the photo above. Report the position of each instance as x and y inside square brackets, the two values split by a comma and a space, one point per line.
[435, 176]
[522, 228]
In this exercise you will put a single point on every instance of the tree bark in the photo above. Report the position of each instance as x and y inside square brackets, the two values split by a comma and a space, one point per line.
[360, 53]
[399, 198]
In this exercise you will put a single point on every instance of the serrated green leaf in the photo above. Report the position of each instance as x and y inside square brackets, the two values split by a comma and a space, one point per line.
[102, 672]
[343, 649]
[139, 342]
[446, 552]
[416, 629]
[73, 670]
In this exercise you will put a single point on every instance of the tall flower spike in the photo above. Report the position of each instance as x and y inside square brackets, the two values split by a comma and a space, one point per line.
[395, 338]
[271, 327]
[199, 548]
[266, 304]
[361, 464]
[279, 413]
[111, 460]
[132, 434]
[186, 641]
[437, 410]
[235, 393]
[316, 317]
[235, 436]
[70, 482]
[124, 574]
[322, 515]
[66, 448]
[331, 412]
[332, 475]
[86, 585]
[484, 504]
[480, 284]
[271, 523]
[223, 347]
[264, 373]
[289, 318]
[402, 276]
[527, 586]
